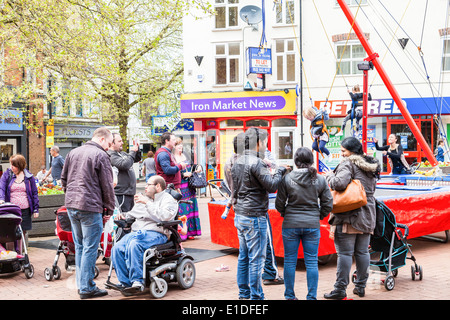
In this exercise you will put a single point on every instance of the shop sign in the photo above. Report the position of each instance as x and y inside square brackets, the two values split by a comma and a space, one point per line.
[74, 132]
[387, 107]
[11, 120]
[246, 103]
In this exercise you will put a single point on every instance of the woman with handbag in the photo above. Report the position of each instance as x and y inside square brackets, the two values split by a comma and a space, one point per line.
[352, 229]
[303, 199]
[188, 193]
[394, 152]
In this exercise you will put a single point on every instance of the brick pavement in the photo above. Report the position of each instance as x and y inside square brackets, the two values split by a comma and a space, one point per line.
[433, 256]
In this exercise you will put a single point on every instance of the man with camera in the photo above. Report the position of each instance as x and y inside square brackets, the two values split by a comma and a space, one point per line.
[127, 255]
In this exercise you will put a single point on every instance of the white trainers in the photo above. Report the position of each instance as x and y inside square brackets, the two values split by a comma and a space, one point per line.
[138, 286]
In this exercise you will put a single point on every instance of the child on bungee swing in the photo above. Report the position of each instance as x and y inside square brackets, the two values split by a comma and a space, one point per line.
[319, 132]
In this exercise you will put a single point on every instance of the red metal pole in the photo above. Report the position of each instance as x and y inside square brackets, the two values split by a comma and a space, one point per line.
[398, 101]
[364, 119]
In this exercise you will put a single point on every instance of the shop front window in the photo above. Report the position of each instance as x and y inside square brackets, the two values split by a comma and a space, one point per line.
[231, 123]
[257, 123]
[284, 122]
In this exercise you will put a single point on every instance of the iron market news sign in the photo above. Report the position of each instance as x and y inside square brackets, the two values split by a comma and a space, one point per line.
[247, 103]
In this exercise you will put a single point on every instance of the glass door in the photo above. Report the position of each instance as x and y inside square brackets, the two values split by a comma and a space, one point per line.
[283, 141]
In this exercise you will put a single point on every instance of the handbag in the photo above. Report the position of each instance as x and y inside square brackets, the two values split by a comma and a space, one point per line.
[353, 197]
[198, 179]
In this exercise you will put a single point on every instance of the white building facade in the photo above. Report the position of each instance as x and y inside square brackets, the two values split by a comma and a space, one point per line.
[313, 62]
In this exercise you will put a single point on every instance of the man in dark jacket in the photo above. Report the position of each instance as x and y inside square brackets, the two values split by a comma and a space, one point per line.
[252, 183]
[87, 180]
[126, 179]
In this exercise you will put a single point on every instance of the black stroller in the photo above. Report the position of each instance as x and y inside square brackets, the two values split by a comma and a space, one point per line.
[390, 246]
[11, 232]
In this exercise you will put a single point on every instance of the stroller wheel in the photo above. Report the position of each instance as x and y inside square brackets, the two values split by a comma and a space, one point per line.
[354, 277]
[158, 292]
[96, 272]
[416, 271]
[56, 273]
[420, 273]
[48, 274]
[389, 283]
[29, 271]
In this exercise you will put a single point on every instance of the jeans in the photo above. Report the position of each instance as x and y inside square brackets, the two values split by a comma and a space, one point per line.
[87, 230]
[270, 264]
[148, 175]
[252, 234]
[309, 237]
[127, 255]
[348, 245]
[321, 146]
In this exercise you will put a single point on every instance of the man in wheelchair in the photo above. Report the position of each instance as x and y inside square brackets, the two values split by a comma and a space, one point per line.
[149, 211]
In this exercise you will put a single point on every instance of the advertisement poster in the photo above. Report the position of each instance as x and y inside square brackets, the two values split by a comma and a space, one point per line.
[334, 146]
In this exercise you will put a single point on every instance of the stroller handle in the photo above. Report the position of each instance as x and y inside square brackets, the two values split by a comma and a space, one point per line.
[404, 226]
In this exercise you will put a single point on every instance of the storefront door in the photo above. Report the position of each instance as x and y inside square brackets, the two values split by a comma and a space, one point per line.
[283, 141]
[413, 152]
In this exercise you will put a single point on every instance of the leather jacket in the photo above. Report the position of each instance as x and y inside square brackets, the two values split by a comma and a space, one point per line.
[252, 183]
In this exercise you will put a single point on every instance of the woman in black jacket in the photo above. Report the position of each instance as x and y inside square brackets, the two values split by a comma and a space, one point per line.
[297, 202]
[394, 152]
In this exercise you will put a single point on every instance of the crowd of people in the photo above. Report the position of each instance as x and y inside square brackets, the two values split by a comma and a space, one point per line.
[303, 198]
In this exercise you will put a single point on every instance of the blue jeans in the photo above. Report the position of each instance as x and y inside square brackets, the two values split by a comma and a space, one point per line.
[148, 175]
[320, 147]
[252, 234]
[310, 242]
[87, 230]
[127, 255]
[270, 264]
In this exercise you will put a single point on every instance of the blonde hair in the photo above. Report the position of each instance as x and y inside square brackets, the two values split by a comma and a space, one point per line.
[309, 113]
[178, 141]
[356, 88]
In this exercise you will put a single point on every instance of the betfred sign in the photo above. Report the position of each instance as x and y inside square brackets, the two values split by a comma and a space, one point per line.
[387, 107]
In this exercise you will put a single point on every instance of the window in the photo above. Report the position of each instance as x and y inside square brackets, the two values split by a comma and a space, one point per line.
[227, 56]
[349, 56]
[285, 60]
[285, 12]
[446, 56]
[353, 2]
[227, 13]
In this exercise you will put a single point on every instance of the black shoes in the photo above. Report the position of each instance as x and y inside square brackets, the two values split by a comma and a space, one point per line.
[359, 292]
[94, 294]
[335, 295]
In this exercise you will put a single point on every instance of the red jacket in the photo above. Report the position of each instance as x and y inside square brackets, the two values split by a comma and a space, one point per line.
[167, 168]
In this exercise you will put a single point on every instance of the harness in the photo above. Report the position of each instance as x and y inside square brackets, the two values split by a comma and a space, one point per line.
[318, 126]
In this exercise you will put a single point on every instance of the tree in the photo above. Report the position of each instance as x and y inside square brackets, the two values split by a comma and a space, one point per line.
[125, 52]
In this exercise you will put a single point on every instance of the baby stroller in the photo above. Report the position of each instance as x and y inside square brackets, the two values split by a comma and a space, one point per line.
[66, 246]
[11, 232]
[391, 247]
[162, 263]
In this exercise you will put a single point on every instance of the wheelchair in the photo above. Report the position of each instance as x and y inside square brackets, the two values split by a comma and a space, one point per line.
[164, 263]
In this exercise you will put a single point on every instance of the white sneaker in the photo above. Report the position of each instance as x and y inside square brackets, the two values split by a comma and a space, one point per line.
[138, 286]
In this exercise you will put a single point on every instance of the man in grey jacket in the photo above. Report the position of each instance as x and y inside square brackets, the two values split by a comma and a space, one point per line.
[126, 179]
[87, 181]
[128, 254]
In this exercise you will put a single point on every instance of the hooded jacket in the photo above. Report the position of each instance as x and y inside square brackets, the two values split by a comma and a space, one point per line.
[302, 201]
[366, 170]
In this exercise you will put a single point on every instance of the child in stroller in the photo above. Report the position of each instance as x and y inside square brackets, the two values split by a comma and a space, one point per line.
[66, 246]
[11, 232]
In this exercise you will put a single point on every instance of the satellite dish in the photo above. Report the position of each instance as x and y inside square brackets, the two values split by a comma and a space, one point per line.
[251, 14]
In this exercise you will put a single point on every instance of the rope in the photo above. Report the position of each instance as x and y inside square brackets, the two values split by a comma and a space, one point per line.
[300, 54]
